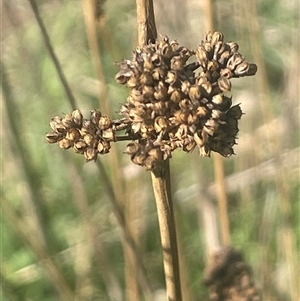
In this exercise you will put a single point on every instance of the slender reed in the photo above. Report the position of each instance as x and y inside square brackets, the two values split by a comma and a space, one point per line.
[161, 176]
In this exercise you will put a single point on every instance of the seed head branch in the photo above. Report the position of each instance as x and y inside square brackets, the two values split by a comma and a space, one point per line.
[177, 100]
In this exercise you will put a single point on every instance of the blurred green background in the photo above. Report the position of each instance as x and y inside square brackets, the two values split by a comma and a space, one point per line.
[60, 239]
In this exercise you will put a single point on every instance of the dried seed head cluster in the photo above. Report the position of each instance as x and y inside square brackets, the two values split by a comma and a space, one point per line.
[177, 100]
[229, 277]
[176, 104]
[88, 137]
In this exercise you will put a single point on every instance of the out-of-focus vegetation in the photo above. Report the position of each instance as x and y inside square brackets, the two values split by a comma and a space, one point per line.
[59, 237]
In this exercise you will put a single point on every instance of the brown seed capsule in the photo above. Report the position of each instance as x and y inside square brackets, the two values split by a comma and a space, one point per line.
[192, 119]
[185, 104]
[103, 147]
[165, 47]
[158, 73]
[220, 47]
[73, 135]
[217, 99]
[104, 122]
[224, 84]
[109, 134]
[160, 91]
[146, 79]
[148, 92]
[89, 140]
[194, 93]
[171, 77]
[202, 56]
[185, 87]
[174, 44]
[136, 95]
[53, 137]
[213, 66]
[224, 57]
[67, 121]
[177, 62]
[226, 73]
[216, 37]
[139, 158]
[176, 96]
[90, 154]
[133, 82]
[77, 117]
[200, 138]
[65, 143]
[234, 47]
[161, 123]
[155, 153]
[235, 60]
[80, 146]
[95, 116]
[242, 69]
[206, 89]
[201, 111]
[132, 148]
[204, 151]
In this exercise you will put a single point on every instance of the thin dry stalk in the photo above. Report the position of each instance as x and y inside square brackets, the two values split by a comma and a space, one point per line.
[161, 176]
[167, 233]
[52, 54]
[218, 160]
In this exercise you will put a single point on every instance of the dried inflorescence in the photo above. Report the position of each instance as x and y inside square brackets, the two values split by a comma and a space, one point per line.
[176, 100]
[229, 278]
[88, 137]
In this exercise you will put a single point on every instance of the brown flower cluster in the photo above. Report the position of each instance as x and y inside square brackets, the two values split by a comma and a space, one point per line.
[88, 137]
[229, 277]
[176, 100]
[176, 104]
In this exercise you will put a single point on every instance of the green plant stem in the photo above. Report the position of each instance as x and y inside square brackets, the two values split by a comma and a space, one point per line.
[52, 54]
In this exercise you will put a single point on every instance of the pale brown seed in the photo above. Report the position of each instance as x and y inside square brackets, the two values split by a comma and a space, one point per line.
[160, 91]
[104, 122]
[194, 93]
[90, 154]
[53, 137]
[146, 79]
[224, 84]
[77, 117]
[216, 37]
[65, 143]
[226, 73]
[242, 69]
[73, 135]
[132, 148]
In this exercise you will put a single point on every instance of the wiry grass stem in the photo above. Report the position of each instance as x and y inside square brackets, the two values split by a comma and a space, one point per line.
[161, 176]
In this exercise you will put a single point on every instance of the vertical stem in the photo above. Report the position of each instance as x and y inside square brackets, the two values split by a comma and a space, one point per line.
[160, 182]
[146, 22]
[161, 176]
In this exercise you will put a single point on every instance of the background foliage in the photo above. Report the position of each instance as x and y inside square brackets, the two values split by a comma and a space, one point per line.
[55, 207]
